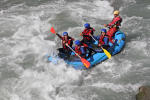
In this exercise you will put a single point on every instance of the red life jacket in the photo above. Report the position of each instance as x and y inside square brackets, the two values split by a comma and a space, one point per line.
[101, 39]
[77, 50]
[86, 33]
[116, 21]
[69, 41]
[111, 32]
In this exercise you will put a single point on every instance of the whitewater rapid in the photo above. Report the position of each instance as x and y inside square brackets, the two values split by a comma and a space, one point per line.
[25, 40]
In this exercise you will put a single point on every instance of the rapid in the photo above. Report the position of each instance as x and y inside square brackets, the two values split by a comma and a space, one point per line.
[25, 40]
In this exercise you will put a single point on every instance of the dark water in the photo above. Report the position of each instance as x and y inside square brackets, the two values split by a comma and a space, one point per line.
[25, 39]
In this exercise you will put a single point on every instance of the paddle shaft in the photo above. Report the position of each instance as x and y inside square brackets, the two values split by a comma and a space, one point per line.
[105, 51]
[73, 51]
[93, 38]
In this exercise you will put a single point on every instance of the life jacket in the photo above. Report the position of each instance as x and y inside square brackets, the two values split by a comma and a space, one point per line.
[111, 32]
[78, 49]
[86, 33]
[101, 39]
[116, 21]
[69, 41]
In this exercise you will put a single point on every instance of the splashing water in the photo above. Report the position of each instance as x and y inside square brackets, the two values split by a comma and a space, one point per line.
[25, 73]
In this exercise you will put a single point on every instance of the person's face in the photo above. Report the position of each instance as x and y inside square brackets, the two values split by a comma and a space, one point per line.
[103, 33]
[65, 36]
[115, 15]
[77, 46]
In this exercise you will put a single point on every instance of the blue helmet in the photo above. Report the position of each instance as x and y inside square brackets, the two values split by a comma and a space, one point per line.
[77, 42]
[65, 33]
[103, 30]
[87, 25]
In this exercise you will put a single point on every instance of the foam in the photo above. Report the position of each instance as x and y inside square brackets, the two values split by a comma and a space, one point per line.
[115, 69]
[148, 7]
[45, 83]
[42, 79]
[96, 9]
[118, 87]
[139, 46]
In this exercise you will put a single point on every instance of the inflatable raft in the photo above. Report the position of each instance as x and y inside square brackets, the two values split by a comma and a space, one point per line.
[97, 57]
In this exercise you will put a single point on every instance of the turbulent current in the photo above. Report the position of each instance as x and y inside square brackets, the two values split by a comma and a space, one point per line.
[25, 40]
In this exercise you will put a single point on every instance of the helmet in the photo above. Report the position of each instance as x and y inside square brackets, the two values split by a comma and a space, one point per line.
[65, 33]
[103, 30]
[77, 42]
[116, 12]
[87, 25]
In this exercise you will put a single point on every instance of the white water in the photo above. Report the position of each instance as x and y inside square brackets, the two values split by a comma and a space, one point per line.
[25, 39]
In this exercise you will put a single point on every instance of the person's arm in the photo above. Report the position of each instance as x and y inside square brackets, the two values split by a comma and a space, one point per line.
[115, 21]
[64, 42]
[93, 29]
[111, 24]
[82, 33]
[59, 35]
[100, 41]
[118, 21]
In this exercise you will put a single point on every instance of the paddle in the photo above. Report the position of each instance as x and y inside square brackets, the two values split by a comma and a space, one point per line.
[105, 51]
[94, 39]
[52, 30]
[84, 61]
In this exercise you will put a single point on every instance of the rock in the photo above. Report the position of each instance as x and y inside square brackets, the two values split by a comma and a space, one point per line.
[144, 93]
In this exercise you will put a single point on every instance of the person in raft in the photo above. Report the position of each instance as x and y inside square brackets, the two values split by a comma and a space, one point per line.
[116, 21]
[113, 26]
[65, 52]
[80, 49]
[87, 33]
[103, 40]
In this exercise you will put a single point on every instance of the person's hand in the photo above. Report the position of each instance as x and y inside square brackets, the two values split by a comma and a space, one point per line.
[66, 44]
[99, 45]
[105, 25]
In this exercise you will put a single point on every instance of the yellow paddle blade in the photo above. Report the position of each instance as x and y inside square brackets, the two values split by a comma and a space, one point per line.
[85, 62]
[107, 53]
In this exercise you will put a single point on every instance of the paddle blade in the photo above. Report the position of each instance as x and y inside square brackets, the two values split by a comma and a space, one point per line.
[52, 30]
[85, 62]
[107, 53]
